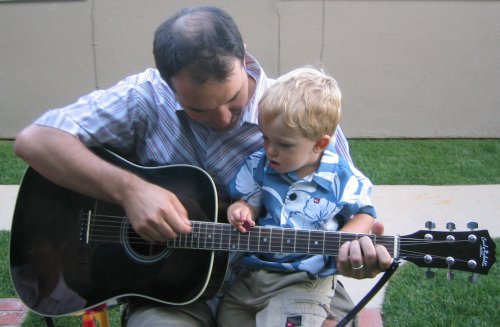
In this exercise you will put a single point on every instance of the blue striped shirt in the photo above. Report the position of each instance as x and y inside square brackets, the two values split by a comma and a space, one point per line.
[140, 119]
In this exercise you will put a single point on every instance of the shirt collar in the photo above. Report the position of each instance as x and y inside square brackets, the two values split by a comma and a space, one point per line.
[328, 158]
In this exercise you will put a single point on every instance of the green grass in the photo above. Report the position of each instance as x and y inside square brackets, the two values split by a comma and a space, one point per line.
[428, 162]
[11, 167]
[385, 162]
[413, 300]
[6, 289]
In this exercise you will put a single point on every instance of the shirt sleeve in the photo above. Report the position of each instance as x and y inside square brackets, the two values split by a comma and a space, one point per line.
[356, 193]
[110, 117]
[245, 186]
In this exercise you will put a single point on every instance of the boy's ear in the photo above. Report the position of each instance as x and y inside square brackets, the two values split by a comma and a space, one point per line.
[322, 143]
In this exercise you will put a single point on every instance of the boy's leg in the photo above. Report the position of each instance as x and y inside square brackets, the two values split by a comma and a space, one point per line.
[149, 314]
[342, 304]
[297, 303]
[237, 306]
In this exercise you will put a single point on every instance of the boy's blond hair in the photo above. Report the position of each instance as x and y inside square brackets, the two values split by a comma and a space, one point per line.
[307, 98]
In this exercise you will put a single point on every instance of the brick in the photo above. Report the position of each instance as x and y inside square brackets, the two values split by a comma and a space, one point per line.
[12, 312]
[370, 317]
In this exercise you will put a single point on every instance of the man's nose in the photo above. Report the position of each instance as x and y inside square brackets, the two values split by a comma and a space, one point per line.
[222, 116]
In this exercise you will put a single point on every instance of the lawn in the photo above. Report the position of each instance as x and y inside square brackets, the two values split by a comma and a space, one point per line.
[411, 300]
[385, 162]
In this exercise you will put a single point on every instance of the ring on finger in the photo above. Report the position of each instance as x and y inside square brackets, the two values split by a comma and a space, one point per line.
[357, 268]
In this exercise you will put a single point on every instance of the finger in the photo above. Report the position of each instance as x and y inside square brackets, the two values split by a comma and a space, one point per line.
[355, 254]
[343, 263]
[151, 235]
[166, 230]
[176, 217]
[368, 251]
[384, 258]
[370, 258]
[378, 227]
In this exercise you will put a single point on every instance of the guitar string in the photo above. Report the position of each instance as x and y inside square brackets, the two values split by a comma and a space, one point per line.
[301, 240]
[225, 227]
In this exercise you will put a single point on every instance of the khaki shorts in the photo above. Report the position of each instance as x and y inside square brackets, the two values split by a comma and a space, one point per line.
[263, 298]
[142, 313]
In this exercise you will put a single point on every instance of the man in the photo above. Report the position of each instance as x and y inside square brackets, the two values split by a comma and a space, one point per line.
[199, 108]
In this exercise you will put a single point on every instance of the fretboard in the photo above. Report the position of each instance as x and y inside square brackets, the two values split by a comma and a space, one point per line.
[224, 237]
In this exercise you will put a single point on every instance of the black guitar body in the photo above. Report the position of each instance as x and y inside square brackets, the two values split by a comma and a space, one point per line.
[69, 252]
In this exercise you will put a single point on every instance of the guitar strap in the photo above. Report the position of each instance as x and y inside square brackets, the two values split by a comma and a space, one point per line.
[382, 281]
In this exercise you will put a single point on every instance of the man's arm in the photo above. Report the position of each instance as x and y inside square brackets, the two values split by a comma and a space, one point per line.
[154, 212]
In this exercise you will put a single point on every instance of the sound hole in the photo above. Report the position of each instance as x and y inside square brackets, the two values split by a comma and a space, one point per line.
[139, 249]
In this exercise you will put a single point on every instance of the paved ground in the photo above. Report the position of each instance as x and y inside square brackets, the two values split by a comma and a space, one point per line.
[403, 209]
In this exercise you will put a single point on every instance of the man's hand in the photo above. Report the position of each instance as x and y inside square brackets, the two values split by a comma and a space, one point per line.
[361, 258]
[372, 259]
[155, 213]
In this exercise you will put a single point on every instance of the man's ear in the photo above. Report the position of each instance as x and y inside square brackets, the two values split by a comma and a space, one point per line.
[322, 143]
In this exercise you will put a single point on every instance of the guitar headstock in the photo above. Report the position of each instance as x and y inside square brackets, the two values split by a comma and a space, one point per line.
[472, 250]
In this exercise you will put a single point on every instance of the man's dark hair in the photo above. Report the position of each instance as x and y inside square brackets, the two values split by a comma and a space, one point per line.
[203, 39]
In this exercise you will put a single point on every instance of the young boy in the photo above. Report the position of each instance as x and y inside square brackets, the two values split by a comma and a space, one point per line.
[298, 181]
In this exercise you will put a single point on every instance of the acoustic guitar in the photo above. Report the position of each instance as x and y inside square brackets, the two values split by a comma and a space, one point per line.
[69, 252]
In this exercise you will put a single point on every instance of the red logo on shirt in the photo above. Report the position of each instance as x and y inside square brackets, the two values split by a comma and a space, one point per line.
[317, 200]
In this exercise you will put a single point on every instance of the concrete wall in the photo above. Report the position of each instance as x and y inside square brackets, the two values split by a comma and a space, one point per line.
[406, 68]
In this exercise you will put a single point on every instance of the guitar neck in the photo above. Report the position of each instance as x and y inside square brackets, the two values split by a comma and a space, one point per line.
[224, 237]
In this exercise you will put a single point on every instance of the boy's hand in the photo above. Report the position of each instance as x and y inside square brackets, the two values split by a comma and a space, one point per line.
[239, 215]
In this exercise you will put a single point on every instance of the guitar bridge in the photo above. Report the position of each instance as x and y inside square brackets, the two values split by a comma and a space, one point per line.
[85, 226]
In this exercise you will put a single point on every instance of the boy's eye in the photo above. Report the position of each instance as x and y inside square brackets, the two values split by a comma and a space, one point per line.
[285, 145]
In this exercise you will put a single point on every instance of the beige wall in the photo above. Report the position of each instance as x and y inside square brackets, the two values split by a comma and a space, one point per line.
[406, 68]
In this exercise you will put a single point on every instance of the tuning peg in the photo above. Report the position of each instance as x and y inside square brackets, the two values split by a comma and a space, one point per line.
[451, 274]
[451, 226]
[428, 273]
[430, 225]
[472, 225]
[473, 278]
[450, 261]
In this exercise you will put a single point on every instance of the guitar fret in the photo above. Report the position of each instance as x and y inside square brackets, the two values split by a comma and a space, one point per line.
[235, 241]
[244, 241]
[223, 229]
[308, 240]
[216, 235]
[193, 233]
[205, 239]
[316, 242]
[185, 240]
[288, 241]
[281, 241]
[257, 235]
[265, 240]
[273, 239]
[340, 240]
